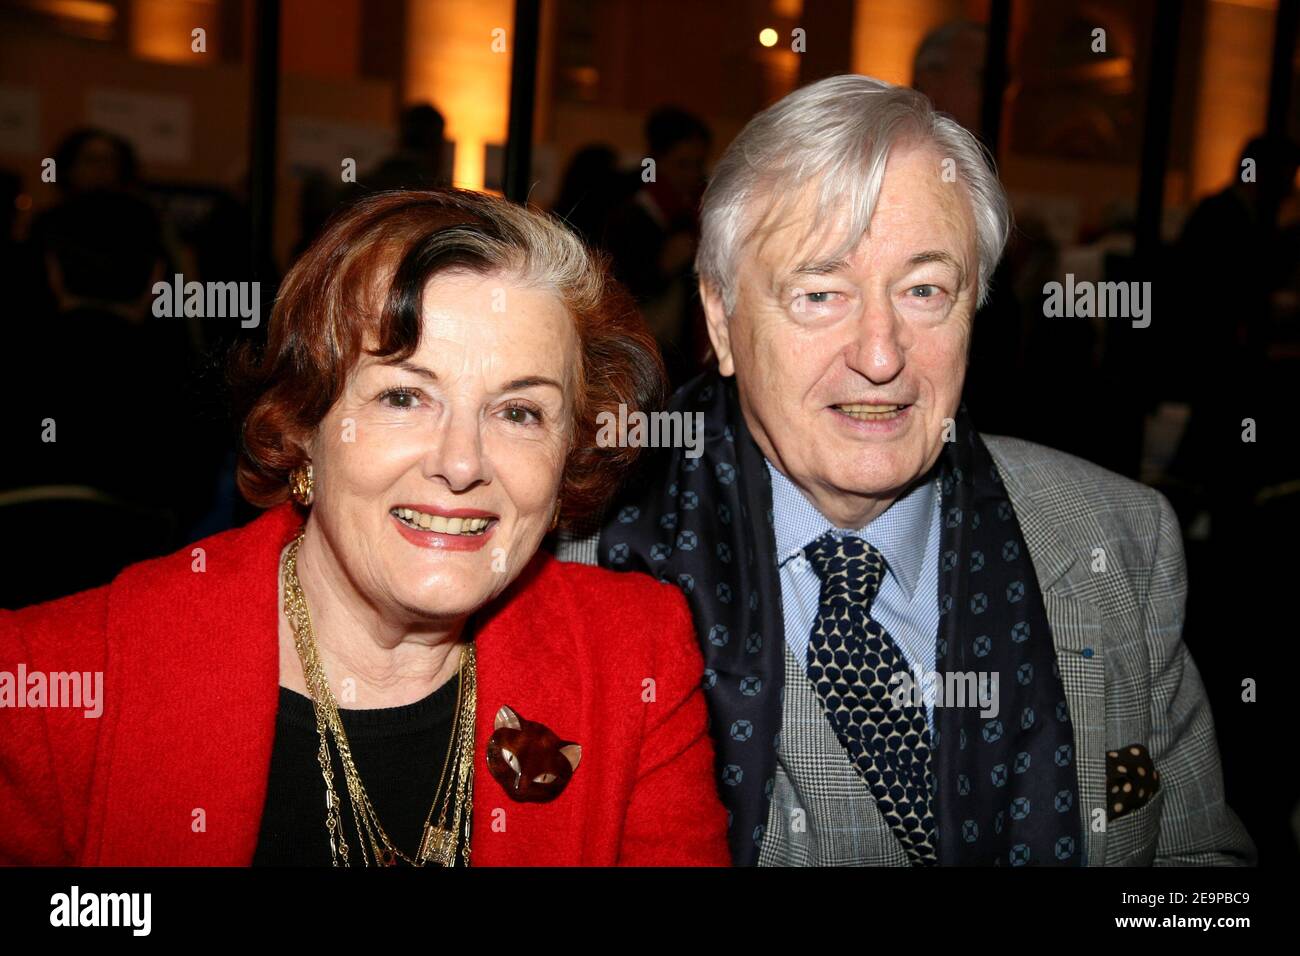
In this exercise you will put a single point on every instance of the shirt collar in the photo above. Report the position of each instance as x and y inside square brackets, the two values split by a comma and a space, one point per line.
[900, 533]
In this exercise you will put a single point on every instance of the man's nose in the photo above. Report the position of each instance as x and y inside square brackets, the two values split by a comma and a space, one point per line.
[457, 453]
[877, 350]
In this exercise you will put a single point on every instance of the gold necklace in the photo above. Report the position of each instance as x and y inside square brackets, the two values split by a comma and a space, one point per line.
[438, 843]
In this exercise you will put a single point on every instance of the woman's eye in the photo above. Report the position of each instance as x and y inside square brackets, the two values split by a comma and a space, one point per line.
[819, 298]
[400, 398]
[522, 415]
[924, 291]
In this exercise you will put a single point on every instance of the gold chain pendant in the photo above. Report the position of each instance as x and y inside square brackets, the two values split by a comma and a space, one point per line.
[438, 846]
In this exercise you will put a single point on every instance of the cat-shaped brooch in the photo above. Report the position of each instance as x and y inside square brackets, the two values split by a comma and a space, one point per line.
[530, 762]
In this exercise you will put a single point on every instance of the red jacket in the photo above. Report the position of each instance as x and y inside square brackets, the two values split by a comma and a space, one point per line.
[190, 691]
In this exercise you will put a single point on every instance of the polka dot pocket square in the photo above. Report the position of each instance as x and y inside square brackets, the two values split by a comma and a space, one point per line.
[1131, 780]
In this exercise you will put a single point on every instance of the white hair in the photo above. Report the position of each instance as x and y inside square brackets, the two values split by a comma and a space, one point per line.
[837, 132]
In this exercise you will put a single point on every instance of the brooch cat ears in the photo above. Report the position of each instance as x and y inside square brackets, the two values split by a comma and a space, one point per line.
[531, 763]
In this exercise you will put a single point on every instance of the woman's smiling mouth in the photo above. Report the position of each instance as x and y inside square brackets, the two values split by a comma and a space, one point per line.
[459, 529]
[424, 521]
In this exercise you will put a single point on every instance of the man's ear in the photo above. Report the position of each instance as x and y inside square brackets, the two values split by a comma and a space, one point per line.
[719, 334]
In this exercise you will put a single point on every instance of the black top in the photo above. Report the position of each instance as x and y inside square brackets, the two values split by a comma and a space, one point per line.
[399, 753]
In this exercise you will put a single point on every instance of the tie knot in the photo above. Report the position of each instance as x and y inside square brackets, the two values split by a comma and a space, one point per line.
[850, 567]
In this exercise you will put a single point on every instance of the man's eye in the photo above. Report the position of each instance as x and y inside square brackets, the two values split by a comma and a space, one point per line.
[400, 398]
[924, 291]
[809, 301]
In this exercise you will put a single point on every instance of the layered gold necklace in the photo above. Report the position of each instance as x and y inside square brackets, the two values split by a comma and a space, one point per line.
[450, 800]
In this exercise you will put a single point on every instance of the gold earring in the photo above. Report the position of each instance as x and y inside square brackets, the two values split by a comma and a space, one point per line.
[302, 485]
[555, 518]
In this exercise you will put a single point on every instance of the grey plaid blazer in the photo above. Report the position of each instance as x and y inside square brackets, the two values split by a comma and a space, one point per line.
[1109, 558]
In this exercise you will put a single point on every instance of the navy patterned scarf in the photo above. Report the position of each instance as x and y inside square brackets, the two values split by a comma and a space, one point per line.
[1006, 790]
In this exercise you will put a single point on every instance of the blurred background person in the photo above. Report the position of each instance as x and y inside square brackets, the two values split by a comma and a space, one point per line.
[419, 161]
[1231, 310]
[591, 189]
[653, 235]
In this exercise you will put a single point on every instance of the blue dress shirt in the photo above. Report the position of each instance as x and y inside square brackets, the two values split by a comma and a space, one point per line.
[906, 533]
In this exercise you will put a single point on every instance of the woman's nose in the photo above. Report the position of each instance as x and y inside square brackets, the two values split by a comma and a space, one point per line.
[457, 453]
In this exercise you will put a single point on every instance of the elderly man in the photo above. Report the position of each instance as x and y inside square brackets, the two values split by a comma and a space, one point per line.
[923, 645]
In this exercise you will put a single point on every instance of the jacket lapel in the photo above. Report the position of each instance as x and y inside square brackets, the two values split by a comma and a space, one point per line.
[527, 660]
[182, 763]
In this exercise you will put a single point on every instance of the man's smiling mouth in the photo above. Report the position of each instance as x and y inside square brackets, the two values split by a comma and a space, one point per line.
[871, 412]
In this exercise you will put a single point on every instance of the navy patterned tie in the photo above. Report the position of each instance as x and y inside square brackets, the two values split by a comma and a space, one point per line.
[852, 663]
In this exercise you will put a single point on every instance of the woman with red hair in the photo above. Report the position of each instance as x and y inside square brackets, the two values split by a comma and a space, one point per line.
[383, 668]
